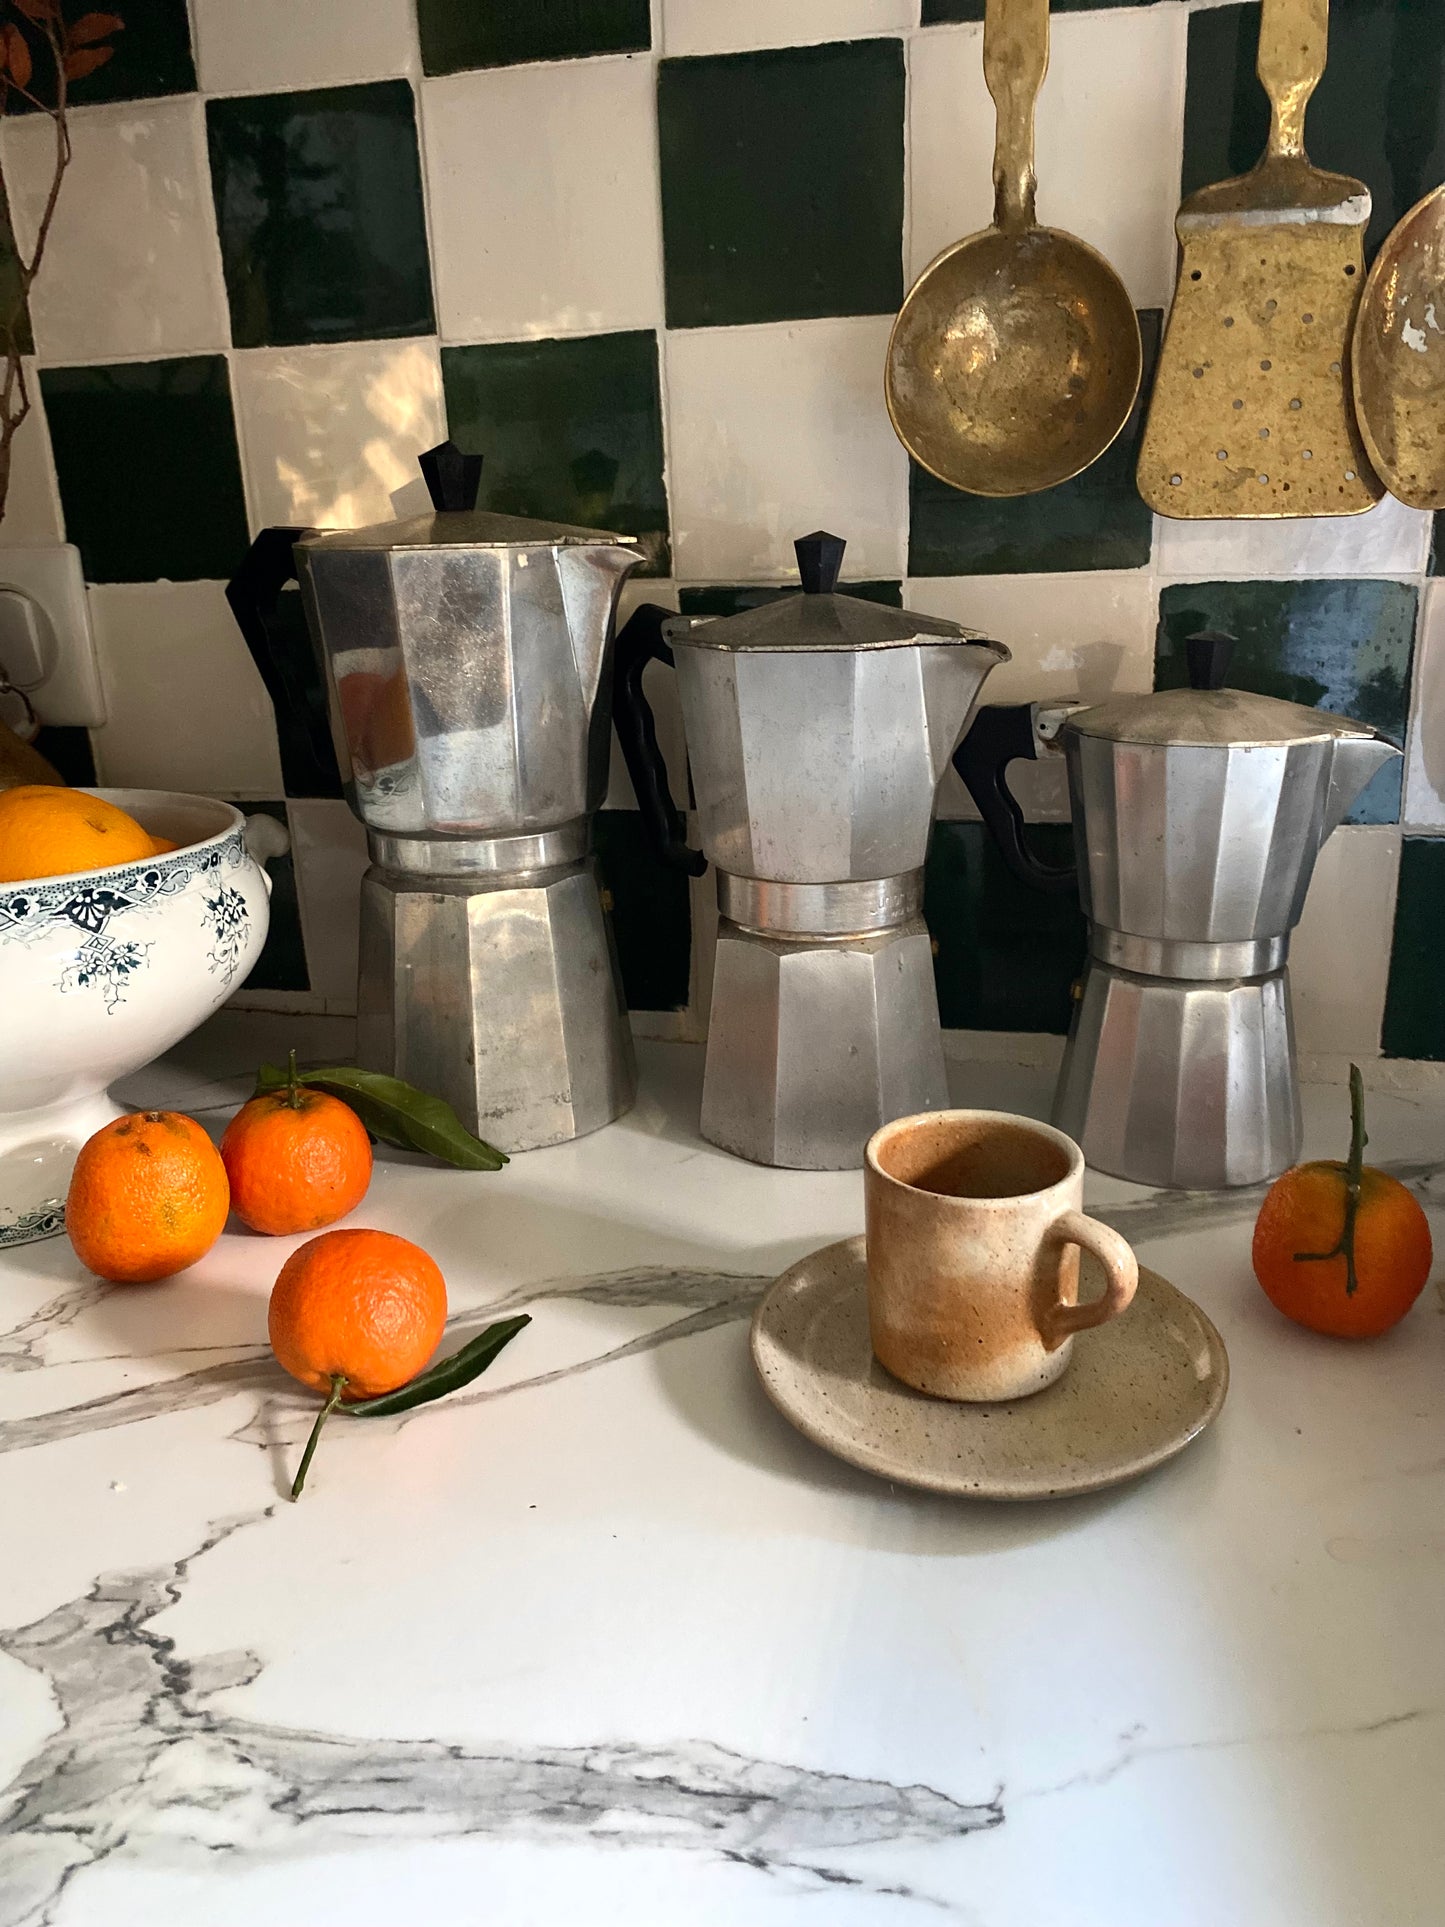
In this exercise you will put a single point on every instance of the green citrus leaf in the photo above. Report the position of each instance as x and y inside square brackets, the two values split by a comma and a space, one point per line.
[395, 1112]
[447, 1375]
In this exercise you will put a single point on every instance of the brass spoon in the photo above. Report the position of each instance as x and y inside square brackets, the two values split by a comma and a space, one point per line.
[1398, 360]
[1015, 360]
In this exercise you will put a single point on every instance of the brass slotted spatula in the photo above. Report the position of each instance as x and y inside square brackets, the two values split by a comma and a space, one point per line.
[1251, 413]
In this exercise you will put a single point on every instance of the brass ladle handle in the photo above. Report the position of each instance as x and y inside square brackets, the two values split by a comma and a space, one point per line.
[1293, 40]
[1015, 60]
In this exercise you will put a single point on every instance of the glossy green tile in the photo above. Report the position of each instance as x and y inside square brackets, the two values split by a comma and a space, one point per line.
[152, 55]
[937, 11]
[1096, 521]
[1342, 646]
[782, 183]
[319, 204]
[715, 601]
[150, 479]
[68, 750]
[1414, 1004]
[570, 430]
[282, 962]
[1437, 543]
[456, 34]
[650, 913]
[1005, 955]
[1379, 111]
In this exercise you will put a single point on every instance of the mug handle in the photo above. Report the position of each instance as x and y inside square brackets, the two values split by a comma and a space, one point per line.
[1061, 1321]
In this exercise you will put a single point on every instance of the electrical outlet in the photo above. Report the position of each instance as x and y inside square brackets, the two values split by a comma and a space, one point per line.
[46, 647]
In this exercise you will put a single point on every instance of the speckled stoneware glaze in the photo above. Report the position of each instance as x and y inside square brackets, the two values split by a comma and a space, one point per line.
[974, 1232]
[1140, 1389]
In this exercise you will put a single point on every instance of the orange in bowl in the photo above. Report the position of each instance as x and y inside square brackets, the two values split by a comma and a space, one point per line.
[49, 832]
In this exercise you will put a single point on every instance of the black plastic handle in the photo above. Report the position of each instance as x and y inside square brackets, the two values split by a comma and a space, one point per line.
[639, 642]
[1207, 657]
[299, 699]
[1000, 734]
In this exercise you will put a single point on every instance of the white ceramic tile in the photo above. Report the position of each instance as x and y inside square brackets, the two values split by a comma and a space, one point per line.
[32, 506]
[263, 46]
[544, 201]
[330, 435]
[1082, 636]
[1424, 806]
[329, 846]
[729, 26]
[659, 685]
[777, 430]
[1340, 954]
[188, 710]
[1388, 539]
[133, 265]
[1109, 134]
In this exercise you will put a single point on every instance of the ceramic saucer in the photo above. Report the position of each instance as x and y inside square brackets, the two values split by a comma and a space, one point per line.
[1136, 1392]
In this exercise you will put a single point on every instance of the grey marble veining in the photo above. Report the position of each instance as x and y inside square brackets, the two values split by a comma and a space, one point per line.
[705, 1298]
[145, 1764]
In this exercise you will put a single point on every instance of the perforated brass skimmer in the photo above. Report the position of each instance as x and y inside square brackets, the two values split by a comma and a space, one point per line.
[1015, 360]
[1251, 412]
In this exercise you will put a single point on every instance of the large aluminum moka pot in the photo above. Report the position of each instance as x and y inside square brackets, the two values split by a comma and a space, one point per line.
[468, 662]
[818, 727]
[1198, 816]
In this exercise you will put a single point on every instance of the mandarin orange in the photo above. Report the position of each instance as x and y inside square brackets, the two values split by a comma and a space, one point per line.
[148, 1197]
[363, 1307]
[297, 1159]
[1341, 1247]
[47, 831]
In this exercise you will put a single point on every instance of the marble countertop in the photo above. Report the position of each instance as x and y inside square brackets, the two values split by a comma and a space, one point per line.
[602, 1639]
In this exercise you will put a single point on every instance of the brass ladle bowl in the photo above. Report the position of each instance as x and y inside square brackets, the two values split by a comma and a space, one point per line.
[1015, 360]
[1397, 362]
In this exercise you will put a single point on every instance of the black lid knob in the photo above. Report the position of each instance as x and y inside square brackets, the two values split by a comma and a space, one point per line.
[452, 478]
[820, 556]
[1207, 656]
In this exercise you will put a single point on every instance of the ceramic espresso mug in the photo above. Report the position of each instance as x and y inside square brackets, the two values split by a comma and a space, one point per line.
[974, 1231]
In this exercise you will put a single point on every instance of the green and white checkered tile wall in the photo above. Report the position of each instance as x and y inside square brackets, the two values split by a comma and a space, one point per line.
[645, 257]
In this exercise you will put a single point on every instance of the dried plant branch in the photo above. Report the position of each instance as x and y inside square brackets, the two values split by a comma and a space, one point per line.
[70, 51]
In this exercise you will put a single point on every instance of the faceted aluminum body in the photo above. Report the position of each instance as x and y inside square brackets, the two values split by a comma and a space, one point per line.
[1207, 843]
[467, 653]
[811, 1046]
[820, 765]
[467, 676]
[1182, 1085]
[1194, 861]
[500, 996]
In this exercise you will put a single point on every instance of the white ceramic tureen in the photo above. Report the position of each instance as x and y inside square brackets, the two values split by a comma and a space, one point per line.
[102, 971]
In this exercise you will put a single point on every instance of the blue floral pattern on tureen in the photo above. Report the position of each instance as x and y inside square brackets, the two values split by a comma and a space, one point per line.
[106, 961]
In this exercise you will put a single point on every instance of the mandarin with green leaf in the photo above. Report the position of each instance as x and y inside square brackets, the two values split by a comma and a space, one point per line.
[1341, 1247]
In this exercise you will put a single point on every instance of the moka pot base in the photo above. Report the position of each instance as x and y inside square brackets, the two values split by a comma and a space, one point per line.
[488, 975]
[1186, 1084]
[824, 1019]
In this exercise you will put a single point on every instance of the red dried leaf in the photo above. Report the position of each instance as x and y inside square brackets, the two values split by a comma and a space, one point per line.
[85, 61]
[92, 27]
[37, 10]
[17, 54]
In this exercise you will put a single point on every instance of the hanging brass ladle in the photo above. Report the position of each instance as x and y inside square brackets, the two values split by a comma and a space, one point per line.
[1397, 363]
[1016, 358]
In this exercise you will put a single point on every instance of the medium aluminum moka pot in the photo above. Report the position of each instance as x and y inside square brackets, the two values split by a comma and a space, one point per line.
[468, 658]
[818, 728]
[1198, 815]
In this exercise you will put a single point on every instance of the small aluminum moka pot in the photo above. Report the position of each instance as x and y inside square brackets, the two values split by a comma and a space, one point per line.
[468, 658]
[818, 728]
[1198, 815]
